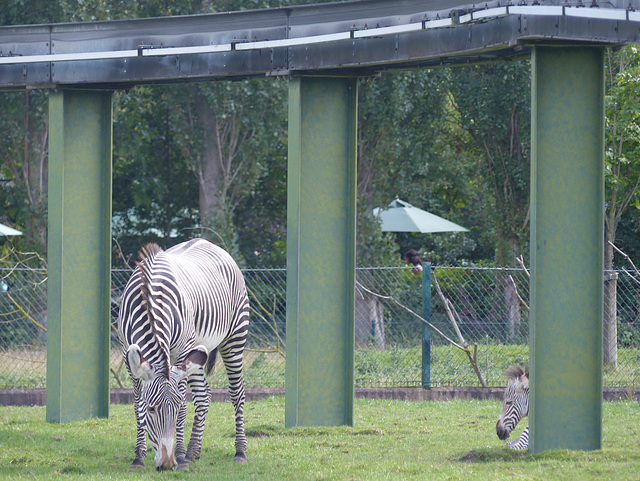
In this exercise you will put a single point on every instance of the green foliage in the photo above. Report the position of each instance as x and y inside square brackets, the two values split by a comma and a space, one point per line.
[403, 144]
[190, 157]
[250, 125]
[628, 334]
[16, 12]
[154, 193]
[398, 119]
[374, 247]
[622, 138]
[627, 236]
[410, 147]
[493, 106]
[23, 166]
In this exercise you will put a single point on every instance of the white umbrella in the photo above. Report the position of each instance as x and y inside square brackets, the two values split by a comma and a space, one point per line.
[401, 216]
[6, 230]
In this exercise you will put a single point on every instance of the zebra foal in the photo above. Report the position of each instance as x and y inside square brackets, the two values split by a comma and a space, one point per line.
[515, 406]
[179, 307]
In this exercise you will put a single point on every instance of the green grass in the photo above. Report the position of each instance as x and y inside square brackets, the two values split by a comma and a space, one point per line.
[390, 440]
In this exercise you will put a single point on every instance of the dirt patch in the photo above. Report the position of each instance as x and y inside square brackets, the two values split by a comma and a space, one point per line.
[470, 457]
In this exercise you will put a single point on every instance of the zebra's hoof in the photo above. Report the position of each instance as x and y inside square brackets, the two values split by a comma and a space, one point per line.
[183, 465]
[191, 457]
[240, 458]
[137, 464]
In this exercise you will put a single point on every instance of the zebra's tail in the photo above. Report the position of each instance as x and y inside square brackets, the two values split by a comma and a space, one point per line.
[211, 362]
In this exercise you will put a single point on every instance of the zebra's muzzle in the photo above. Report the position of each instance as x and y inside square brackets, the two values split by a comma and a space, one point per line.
[502, 432]
[165, 459]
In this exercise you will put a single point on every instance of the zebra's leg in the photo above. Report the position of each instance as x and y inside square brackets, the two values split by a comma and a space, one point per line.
[141, 437]
[179, 450]
[231, 353]
[201, 396]
[522, 442]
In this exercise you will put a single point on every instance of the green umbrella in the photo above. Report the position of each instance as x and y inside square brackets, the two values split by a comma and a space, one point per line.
[401, 216]
[6, 230]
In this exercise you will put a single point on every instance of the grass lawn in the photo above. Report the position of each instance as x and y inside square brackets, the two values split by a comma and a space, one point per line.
[390, 440]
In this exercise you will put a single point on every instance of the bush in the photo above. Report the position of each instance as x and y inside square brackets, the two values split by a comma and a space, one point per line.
[628, 334]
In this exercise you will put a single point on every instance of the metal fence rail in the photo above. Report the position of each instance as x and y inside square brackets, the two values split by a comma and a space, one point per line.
[490, 306]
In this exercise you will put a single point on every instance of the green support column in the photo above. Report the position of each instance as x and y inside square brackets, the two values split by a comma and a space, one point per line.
[567, 202]
[79, 255]
[321, 220]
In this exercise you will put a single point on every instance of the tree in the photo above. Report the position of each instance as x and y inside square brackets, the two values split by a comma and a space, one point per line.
[493, 102]
[408, 147]
[24, 138]
[376, 131]
[622, 151]
[24, 121]
[20, 12]
[225, 132]
[261, 218]
[154, 192]
[622, 169]
[24, 164]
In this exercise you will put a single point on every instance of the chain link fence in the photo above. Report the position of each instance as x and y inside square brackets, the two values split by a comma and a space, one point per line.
[23, 326]
[490, 307]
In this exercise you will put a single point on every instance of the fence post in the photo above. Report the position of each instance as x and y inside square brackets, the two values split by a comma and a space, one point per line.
[610, 331]
[426, 329]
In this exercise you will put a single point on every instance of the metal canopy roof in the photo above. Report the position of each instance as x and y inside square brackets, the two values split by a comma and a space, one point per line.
[350, 38]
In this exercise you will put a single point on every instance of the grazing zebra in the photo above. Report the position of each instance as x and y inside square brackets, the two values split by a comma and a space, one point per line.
[178, 308]
[515, 406]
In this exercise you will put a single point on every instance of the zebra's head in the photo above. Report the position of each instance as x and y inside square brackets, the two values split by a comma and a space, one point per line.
[163, 395]
[516, 401]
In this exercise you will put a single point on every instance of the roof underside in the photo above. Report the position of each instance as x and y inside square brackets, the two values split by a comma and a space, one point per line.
[350, 38]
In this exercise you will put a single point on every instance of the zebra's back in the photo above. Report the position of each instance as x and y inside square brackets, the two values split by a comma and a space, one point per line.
[203, 284]
[211, 279]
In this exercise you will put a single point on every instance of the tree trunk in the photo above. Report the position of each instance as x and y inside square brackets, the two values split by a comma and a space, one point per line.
[369, 321]
[29, 170]
[506, 252]
[210, 173]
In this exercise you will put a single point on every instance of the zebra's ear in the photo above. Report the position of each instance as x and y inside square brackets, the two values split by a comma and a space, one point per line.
[196, 358]
[524, 379]
[140, 367]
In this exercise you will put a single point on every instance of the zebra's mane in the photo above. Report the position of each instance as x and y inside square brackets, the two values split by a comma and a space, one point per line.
[516, 372]
[145, 269]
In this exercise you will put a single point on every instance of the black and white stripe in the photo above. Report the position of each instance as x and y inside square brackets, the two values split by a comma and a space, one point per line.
[522, 442]
[515, 406]
[179, 305]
